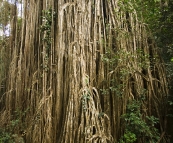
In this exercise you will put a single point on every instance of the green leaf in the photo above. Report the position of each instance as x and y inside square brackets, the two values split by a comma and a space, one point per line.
[172, 59]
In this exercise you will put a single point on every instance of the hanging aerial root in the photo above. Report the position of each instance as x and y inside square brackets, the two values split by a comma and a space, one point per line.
[94, 123]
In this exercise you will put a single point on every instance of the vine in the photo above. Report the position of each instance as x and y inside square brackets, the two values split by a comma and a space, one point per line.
[46, 31]
[137, 127]
[119, 64]
[86, 94]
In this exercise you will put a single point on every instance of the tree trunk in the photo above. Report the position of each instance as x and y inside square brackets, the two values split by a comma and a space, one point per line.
[57, 71]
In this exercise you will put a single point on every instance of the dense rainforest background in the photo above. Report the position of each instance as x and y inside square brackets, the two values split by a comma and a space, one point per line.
[86, 71]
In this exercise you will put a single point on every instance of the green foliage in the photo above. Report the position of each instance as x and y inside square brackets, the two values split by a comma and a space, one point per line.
[8, 132]
[86, 94]
[164, 35]
[121, 63]
[6, 137]
[170, 103]
[85, 98]
[122, 57]
[47, 18]
[100, 115]
[147, 11]
[19, 24]
[160, 19]
[128, 137]
[138, 127]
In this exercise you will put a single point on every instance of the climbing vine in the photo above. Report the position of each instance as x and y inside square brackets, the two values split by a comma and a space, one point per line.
[48, 16]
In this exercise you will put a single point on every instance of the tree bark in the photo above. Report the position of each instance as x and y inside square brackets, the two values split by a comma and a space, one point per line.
[60, 84]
